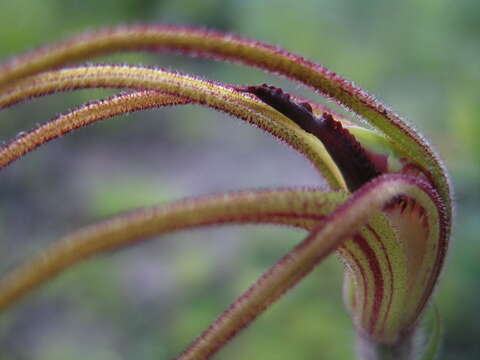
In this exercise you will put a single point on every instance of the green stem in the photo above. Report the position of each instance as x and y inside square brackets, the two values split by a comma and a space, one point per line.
[367, 349]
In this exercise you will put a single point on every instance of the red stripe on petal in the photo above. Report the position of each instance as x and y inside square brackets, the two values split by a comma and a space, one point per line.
[377, 276]
[362, 274]
[390, 271]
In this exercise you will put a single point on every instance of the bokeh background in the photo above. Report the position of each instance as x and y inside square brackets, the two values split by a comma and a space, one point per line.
[147, 302]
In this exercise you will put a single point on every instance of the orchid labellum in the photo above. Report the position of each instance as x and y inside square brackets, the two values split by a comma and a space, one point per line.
[387, 212]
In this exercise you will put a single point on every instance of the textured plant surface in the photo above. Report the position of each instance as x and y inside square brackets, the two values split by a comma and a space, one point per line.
[387, 211]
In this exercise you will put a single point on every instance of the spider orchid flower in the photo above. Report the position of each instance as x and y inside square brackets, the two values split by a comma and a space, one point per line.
[387, 212]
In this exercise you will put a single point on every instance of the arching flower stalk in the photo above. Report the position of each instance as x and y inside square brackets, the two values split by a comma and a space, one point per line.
[388, 212]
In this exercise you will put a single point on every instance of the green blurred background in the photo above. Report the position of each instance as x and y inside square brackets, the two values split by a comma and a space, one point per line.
[419, 56]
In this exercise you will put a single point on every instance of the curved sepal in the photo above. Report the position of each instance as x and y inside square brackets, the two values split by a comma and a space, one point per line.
[218, 96]
[299, 207]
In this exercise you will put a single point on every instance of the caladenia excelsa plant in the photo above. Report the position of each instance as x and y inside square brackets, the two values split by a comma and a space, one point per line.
[387, 212]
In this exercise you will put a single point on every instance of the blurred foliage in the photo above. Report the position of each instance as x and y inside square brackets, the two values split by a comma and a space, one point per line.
[148, 302]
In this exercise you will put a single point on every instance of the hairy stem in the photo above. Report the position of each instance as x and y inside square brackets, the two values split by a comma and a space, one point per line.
[371, 350]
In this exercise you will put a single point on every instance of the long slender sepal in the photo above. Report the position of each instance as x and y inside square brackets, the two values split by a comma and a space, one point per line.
[294, 207]
[83, 116]
[215, 95]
